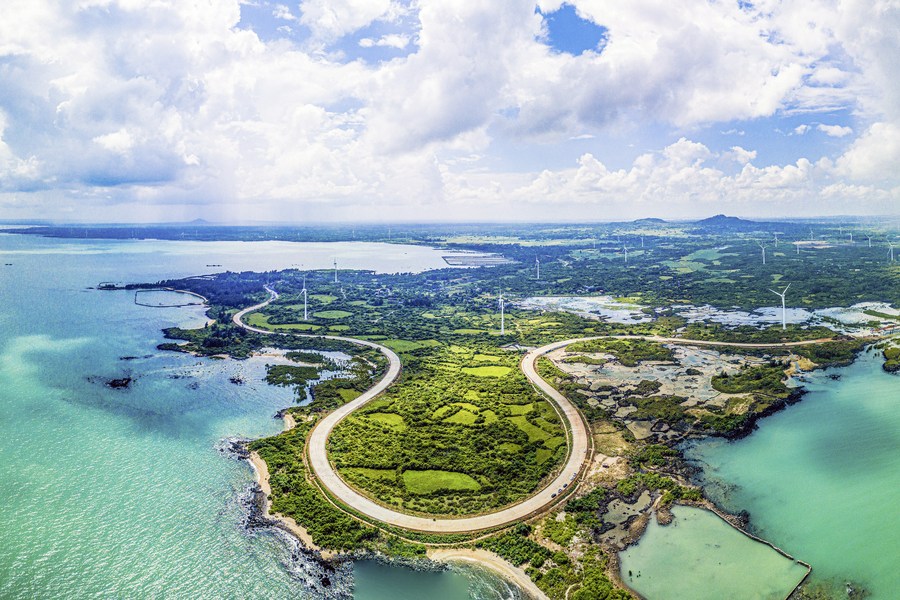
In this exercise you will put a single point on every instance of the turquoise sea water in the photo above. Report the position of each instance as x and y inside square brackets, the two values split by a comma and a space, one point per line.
[123, 493]
[820, 478]
[700, 556]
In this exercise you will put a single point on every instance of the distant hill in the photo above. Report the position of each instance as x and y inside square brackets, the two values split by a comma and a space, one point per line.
[726, 223]
[649, 221]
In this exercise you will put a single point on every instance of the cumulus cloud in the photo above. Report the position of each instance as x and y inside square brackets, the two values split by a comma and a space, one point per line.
[107, 103]
[873, 156]
[834, 130]
[681, 180]
[392, 40]
[332, 19]
[741, 155]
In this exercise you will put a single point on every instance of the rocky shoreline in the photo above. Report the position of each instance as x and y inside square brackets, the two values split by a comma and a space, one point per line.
[329, 577]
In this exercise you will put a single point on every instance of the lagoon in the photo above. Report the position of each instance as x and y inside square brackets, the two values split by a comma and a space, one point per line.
[820, 478]
[702, 557]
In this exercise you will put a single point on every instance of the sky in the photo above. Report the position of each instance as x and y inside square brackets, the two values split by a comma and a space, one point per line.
[447, 110]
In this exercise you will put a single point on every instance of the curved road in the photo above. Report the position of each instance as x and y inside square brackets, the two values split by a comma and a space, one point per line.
[578, 434]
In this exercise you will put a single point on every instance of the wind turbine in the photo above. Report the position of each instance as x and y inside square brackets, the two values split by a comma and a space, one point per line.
[335, 270]
[537, 266]
[797, 246]
[303, 291]
[783, 309]
[642, 241]
[502, 315]
[776, 240]
[625, 250]
[869, 237]
[811, 236]
[891, 244]
[763, 247]
[851, 237]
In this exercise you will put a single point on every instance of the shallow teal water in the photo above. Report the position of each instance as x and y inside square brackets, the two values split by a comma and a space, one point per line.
[123, 493]
[702, 557]
[820, 479]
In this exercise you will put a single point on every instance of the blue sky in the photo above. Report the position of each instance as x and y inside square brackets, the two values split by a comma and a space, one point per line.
[240, 110]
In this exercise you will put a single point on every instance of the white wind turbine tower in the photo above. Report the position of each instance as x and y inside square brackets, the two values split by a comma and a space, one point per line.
[783, 309]
[869, 237]
[335, 270]
[303, 291]
[776, 240]
[891, 244]
[625, 250]
[797, 246]
[502, 315]
[763, 247]
[851, 237]
[537, 266]
[642, 241]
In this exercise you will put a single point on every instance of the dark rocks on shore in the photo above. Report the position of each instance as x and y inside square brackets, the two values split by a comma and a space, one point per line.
[237, 380]
[324, 579]
[234, 448]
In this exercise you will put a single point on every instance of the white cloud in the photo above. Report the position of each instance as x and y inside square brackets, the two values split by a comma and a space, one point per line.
[801, 129]
[332, 19]
[393, 40]
[119, 102]
[873, 156]
[741, 155]
[119, 141]
[834, 130]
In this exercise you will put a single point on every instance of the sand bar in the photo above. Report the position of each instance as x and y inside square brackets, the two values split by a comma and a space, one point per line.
[490, 561]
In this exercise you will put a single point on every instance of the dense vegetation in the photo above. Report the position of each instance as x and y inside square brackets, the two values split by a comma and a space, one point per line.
[294, 496]
[461, 432]
[892, 359]
[629, 352]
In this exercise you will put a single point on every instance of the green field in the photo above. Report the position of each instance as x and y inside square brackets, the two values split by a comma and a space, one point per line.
[487, 371]
[409, 345]
[373, 474]
[262, 321]
[534, 433]
[462, 417]
[429, 482]
[332, 314]
[390, 420]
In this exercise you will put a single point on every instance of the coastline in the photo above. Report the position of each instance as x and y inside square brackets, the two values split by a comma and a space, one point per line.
[261, 470]
[480, 557]
[491, 561]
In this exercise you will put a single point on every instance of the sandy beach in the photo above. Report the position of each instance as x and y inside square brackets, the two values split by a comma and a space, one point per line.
[490, 561]
[262, 477]
[289, 421]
